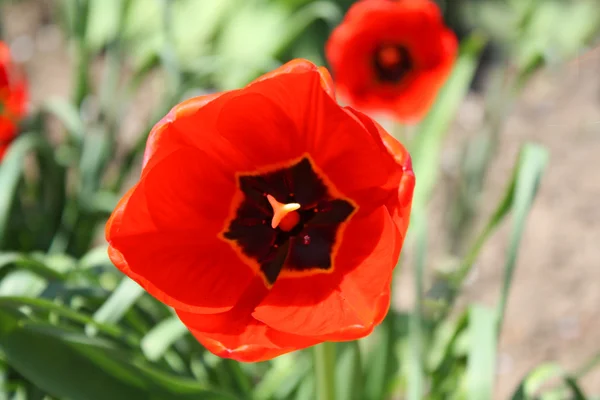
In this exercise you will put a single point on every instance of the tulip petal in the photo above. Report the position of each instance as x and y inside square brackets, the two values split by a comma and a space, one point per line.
[300, 66]
[348, 300]
[236, 334]
[164, 234]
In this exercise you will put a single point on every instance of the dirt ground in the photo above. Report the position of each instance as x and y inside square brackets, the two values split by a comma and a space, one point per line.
[554, 306]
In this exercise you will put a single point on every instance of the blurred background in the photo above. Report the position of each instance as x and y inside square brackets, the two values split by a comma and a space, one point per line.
[117, 66]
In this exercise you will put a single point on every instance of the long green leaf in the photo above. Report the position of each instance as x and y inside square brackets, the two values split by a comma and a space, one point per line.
[162, 336]
[22, 283]
[532, 162]
[349, 377]
[124, 296]
[11, 171]
[481, 364]
[11, 302]
[382, 362]
[285, 375]
[22, 261]
[68, 115]
[69, 365]
[530, 387]
[416, 369]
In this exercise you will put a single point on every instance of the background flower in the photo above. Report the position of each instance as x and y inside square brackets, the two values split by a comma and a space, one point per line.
[392, 56]
[13, 98]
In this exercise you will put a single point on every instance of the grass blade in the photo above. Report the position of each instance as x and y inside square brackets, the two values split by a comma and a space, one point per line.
[158, 340]
[113, 309]
[532, 162]
[11, 171]
[349, 373]
[416, 368]
[382, 362]
[285, 375]
[69, 365]
[481, 364]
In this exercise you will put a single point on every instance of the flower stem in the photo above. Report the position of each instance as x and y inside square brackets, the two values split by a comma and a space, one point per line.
[325, 370]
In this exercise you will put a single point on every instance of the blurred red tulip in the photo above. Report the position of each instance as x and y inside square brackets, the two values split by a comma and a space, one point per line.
[13, 99]
[392, 56]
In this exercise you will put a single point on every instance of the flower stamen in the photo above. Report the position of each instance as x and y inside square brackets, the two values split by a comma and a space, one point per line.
[284, 215]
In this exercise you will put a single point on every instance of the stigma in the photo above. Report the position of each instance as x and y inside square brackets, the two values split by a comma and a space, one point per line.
[389, 56]
[285, 216]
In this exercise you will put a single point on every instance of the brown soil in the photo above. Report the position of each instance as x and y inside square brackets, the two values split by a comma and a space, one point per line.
[554, 307]
[553, 313]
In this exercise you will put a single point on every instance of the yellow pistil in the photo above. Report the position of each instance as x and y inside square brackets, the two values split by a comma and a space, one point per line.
[284, 215]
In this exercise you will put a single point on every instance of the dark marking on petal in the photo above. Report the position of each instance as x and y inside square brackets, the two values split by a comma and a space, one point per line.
[309, 245]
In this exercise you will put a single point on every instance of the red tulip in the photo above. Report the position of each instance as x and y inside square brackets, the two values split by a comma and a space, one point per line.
[13, 99]
[392, 56]
[269, 217]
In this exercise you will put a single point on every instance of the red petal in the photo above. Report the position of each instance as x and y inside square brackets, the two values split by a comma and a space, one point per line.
[300, 66]
[235, 334]
[397, 193]
[350, 157]
[420, 93]
[350, 300]
[8, 129]
[181, 264]
[182, 271]
[188, 191]
[158, 139]
[354, 160]
[262, 131]
[255, 342]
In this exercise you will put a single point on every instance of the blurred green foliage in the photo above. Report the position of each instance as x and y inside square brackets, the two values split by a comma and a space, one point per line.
[71, 327]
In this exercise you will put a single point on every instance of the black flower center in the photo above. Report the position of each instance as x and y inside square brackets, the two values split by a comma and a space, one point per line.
[303, 241]
[391, 63]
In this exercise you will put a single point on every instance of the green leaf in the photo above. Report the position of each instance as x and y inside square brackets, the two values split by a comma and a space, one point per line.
[306, 391]
[98, 256]
[532, 162]
[22, 283]
[415, 371]
[382, 362]
[444, 338]
[349, 377]
[158, 340]
[96, 153]
[530, 387]
[46, 306]
[103, 22]
[481, 362]
[11, 171]
[68, 115]
[67, 364]
[119, 302]
[575, 389]
[284, 376]
[244, 56]
[21, 261]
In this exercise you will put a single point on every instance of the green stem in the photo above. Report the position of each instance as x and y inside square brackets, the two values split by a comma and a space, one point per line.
[325, 370]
